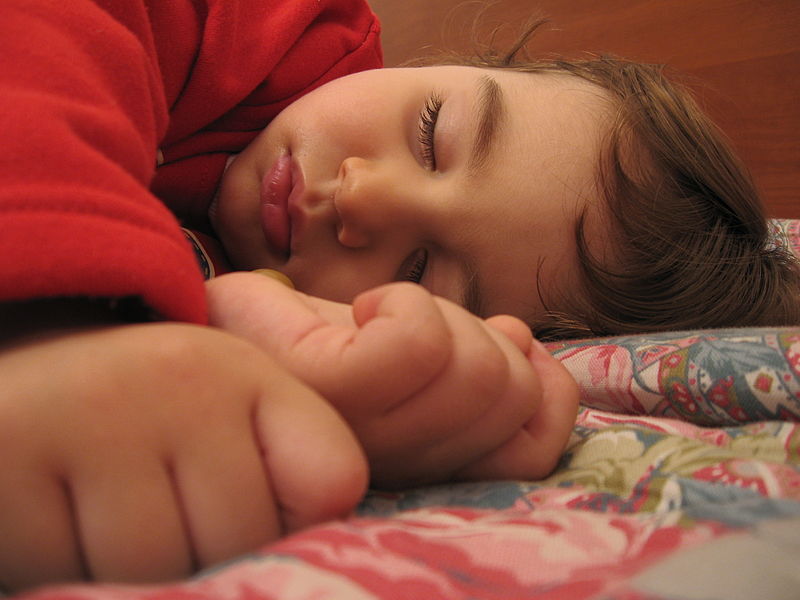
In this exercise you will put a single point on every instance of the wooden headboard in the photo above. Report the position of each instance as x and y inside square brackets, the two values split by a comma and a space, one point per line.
[744, 54]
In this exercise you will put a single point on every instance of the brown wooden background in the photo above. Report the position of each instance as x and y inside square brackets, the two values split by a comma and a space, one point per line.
[743, 57]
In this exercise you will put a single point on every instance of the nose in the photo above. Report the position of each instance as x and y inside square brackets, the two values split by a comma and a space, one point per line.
[369, 200]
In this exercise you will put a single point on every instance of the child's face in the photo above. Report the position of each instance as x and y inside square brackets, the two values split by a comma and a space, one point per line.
[345, 191]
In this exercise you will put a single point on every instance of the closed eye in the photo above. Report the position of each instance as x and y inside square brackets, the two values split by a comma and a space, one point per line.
[413, 267]
[427, 128]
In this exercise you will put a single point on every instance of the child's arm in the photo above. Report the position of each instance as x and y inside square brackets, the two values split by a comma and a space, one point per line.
[143, 452]
[431, 391]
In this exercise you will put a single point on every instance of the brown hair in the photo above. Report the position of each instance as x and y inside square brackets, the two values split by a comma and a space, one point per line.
[692, 248]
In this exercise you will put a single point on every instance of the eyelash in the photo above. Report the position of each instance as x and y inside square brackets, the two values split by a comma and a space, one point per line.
[415, 271]
[427, 126]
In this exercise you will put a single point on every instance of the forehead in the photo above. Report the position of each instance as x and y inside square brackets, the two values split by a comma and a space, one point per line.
[542, 178]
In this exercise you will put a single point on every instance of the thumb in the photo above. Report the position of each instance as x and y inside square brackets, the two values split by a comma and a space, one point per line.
[265, 311]
[396, 344]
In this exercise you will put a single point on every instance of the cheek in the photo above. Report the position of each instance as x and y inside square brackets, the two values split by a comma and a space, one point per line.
[333, 277]
[235, 206]
[335, 119]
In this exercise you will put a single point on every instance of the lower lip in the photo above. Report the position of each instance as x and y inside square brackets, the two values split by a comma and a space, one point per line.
[275, 189]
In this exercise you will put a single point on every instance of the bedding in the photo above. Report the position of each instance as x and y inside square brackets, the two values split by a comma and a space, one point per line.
[681, 480]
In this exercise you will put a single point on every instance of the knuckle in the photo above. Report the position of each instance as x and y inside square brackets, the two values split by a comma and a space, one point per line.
[486, 370]
[428, 353]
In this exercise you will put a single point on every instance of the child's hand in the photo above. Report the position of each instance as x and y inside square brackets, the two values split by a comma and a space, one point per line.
[142, 452]
[432, 392]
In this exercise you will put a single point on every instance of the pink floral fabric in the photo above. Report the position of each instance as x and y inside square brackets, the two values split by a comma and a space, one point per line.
[720, 377]
[681, 480]
[715, 377]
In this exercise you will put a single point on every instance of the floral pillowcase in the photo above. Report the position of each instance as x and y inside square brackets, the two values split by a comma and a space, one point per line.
[707, 377]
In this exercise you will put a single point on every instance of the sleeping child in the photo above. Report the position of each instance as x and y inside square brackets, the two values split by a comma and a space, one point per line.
[430, 219]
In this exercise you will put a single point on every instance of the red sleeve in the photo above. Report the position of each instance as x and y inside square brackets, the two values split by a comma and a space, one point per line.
[82, 108]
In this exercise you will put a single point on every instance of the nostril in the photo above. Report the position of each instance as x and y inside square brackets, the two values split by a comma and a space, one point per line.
[342, 171]
[339, 212]
[351, 205]
[346, 169]
[353, 168]
[344, 196]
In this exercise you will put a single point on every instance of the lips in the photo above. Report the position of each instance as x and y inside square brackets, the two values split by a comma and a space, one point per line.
[276, 186]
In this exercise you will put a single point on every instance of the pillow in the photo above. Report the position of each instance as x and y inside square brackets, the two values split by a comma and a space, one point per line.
[707, 377]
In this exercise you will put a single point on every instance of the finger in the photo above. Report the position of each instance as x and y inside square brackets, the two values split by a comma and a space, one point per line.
[304, 334]
[399, 335]
[224, 490]
[402, 343]
[285, 461]
[85, 508]
[516, 330]
[316, 467]
[488, 391]
[533, 452]
[38, 542]
[37, 539]
[260, 309]
[561, 396]
[129, 519]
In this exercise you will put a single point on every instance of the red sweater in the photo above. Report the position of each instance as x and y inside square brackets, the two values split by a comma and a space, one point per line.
[91, 89]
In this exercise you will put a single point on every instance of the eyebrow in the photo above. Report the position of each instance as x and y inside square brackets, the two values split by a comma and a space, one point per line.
[491, 111]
